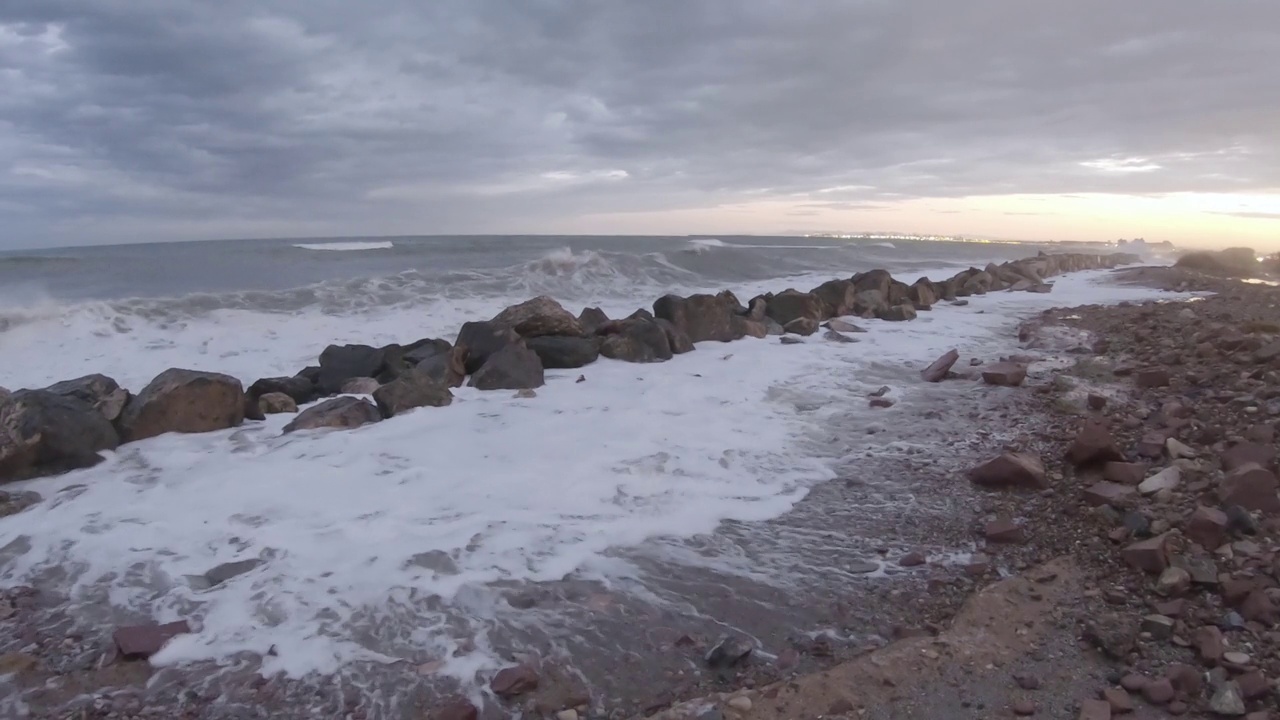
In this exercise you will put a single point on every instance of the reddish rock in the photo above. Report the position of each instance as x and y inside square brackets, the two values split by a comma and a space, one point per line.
[1124, 473]
[1151, 378]
[1158, 692]
[1005, 374]
[1150, 555]
[1206, 526]
[1262, 434]
[1252, 487]
[139, 642]
[1253, 685]
[1258, 607]
[1011, 470]
[1118, 699]
[1093, 445]
[1245, 453]
[458, 709]
[1208, 642]
[912, 559]
[881, 402]
[1235, 590]
[1184, 678]
[1096, 402]
[1151, 446]
[1094, 710]
[513, 681]
[937, 372]
[1109, 493]
[1024, 707]
[1134, 682]
[1002, 530]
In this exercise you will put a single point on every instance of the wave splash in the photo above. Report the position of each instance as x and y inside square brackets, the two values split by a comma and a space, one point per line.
[347, 246]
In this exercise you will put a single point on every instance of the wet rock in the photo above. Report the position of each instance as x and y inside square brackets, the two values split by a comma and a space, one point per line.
[448, 368]
[344, 412]
[1011, 470]
[360, 386]
[1094, 445]
[730, 651]
[514, 367]
[1227, 701]
[937, 372]
[1150, 556]
[412, 390]
[1125, 473]
[898, 313]
[1158, 692]
[1118, 699]
[1004, 374]
[139, 642]
[539, 316]
[1112, 633]
[275, 403]
[340, 363]
[1167, 479]
[457, 709]
[842, 326]
[791, 304]
[1096, 402]
[1109, 493]
[839, 297]
[514, 681]
[1151, 378]
[880, 402]
[183, 401]
[1252, 487]
[834, 336]
[912, 559]
[480, 340]
[104, 394]
[1209, 643]
[298, 387]
[802, 326]
[702, 318]
[790, 340]
[563, 353]
[636, 340]
[592, 319]
[1206, 526]
[43, 433]
[227, 571]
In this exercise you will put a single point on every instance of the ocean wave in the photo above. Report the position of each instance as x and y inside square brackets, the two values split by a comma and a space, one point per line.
[37, 260]
[347, 246]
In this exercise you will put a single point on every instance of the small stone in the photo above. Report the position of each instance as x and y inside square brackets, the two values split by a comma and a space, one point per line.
[1167, 479]
[1004, 374]
[1094, 710]
[912, 559]
[1134, 682]
[1206, 526]
[513, 681]
[1185, 679]
[1003, 530]
[1208, 641]
[1027, 682]
[1108, 493]
[1151, 377]
[1253, 685]
[1150, 556]
[1124, 473]
[569, 714]
[1173, 581]
[728, 652]
[1177, 449]
[1227, 701]
[1096, 402]
[458, 709]
[1023, 707]
[1236, 658]
[1158, 626]
[741, 703]
[140, 642]
[880, 402]
[1158, 692]
[1118, 699]
[1093, 445]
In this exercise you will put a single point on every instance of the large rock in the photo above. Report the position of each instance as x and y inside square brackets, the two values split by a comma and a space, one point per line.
[838, 297]
[482, 339]
[1245, 453]
[636, 340]
[360, 386]
[791, 304]
[540, 316]
[564, 352]
[923, 295]
[592, 319]
[184, 401]
[340, 363]
[870, 304]
[1006, 374]
[298, 387]
[898, 313]
[274, 403]
[680, 342]
[400, 359]
[344, 413]
[1011, 470]
[937, 372]
[100, 391]
[514, 367]
[701, 317]
[448, 368]
[802, 326]
[873, 280]
[42, 433]
[1093, 446]
[413, 389]
[1252, 487]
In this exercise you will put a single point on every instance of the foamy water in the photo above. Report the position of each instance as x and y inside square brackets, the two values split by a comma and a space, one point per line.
[347, 246]
[378, 543]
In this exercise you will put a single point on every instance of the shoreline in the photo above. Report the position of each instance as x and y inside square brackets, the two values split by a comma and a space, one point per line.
[942, 473]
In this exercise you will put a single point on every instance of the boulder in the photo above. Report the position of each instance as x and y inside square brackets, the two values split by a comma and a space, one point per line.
[878, 281]
[360, 386]
[425, 349]
[681, 343]
[1006, 374]
[636, 340]
[42, 433]
[100, 391]
[838, 297]
[184, 401]
[400, 359]
[1252, 487]
[413, 389]
[898, 313]
[540, 316]
[1093, 446]
[514, 367]
[752, 328]
[1125, 473]
[1206, 526]
[869, 304]
[1150, 555]
[481, 340]
[701, 317]
[298, 387]
[274, 403]
[558, 352]
[834, 336]
[591, 319]
[937, 372]
[252, 410]
[1247, 452]
[791, 304]
[449, 368]
[340, 363]
[1011, 470]
[802, 326]
[513, 681]
[344, 413]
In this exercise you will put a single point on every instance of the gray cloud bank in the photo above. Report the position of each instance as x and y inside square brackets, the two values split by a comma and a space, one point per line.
[162, 119]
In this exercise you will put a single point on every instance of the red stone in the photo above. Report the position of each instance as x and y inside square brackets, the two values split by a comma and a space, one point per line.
[1109, 493]
[1158, 692]
[1150, 555]
[140, 642]
[1093, 445]
[1257, 606]
[1005, 374]
[1151, 445]
[1206, 526]
[1151, 377]
[1252, 487]
[1003, 530]
[1208, 640]
[1011, 470]
[513, 681]
[1253, 684]
[458, 709]
[1185, 679]
[1124, 473]
[1118, 699]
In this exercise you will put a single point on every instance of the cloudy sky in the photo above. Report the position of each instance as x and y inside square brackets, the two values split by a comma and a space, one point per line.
[148, 120]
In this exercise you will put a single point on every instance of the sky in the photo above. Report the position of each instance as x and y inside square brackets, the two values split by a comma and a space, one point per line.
[157, 120]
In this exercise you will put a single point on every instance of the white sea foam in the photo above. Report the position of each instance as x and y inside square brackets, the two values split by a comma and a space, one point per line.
[347, 246]
[509, 489]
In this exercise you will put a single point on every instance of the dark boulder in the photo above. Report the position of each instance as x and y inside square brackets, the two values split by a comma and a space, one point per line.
[42, 433]
[591, 319]
[514, 367]
[448, 368]
[100, 391]
[411, 390]
[343, 413]
[899, 293]
[558, 353]
[791, 304]
[425, 349]
[540, 316]
[253, 410]
[340, 363]
[751, 328]
[274, 403]
[701, 317]
[923, 295]
[184, 401]
[298, 387]
[400, 359]
[636, 340]
[877, 280]
[482, 339]
[838, 297]
[869, 304]
[678, 341]
[898, 313]
[360, 386]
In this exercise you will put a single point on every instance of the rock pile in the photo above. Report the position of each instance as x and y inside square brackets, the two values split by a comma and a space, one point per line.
[66, 425]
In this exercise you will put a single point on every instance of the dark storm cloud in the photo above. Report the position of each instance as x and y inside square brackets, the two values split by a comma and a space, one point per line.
[158, 118]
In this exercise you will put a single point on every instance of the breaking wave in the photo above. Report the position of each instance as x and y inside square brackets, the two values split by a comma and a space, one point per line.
[346, 246]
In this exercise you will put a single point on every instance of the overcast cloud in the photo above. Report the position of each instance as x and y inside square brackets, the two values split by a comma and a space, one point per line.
[173, 119]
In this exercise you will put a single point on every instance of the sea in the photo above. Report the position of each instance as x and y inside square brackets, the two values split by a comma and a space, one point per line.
[644, 491]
